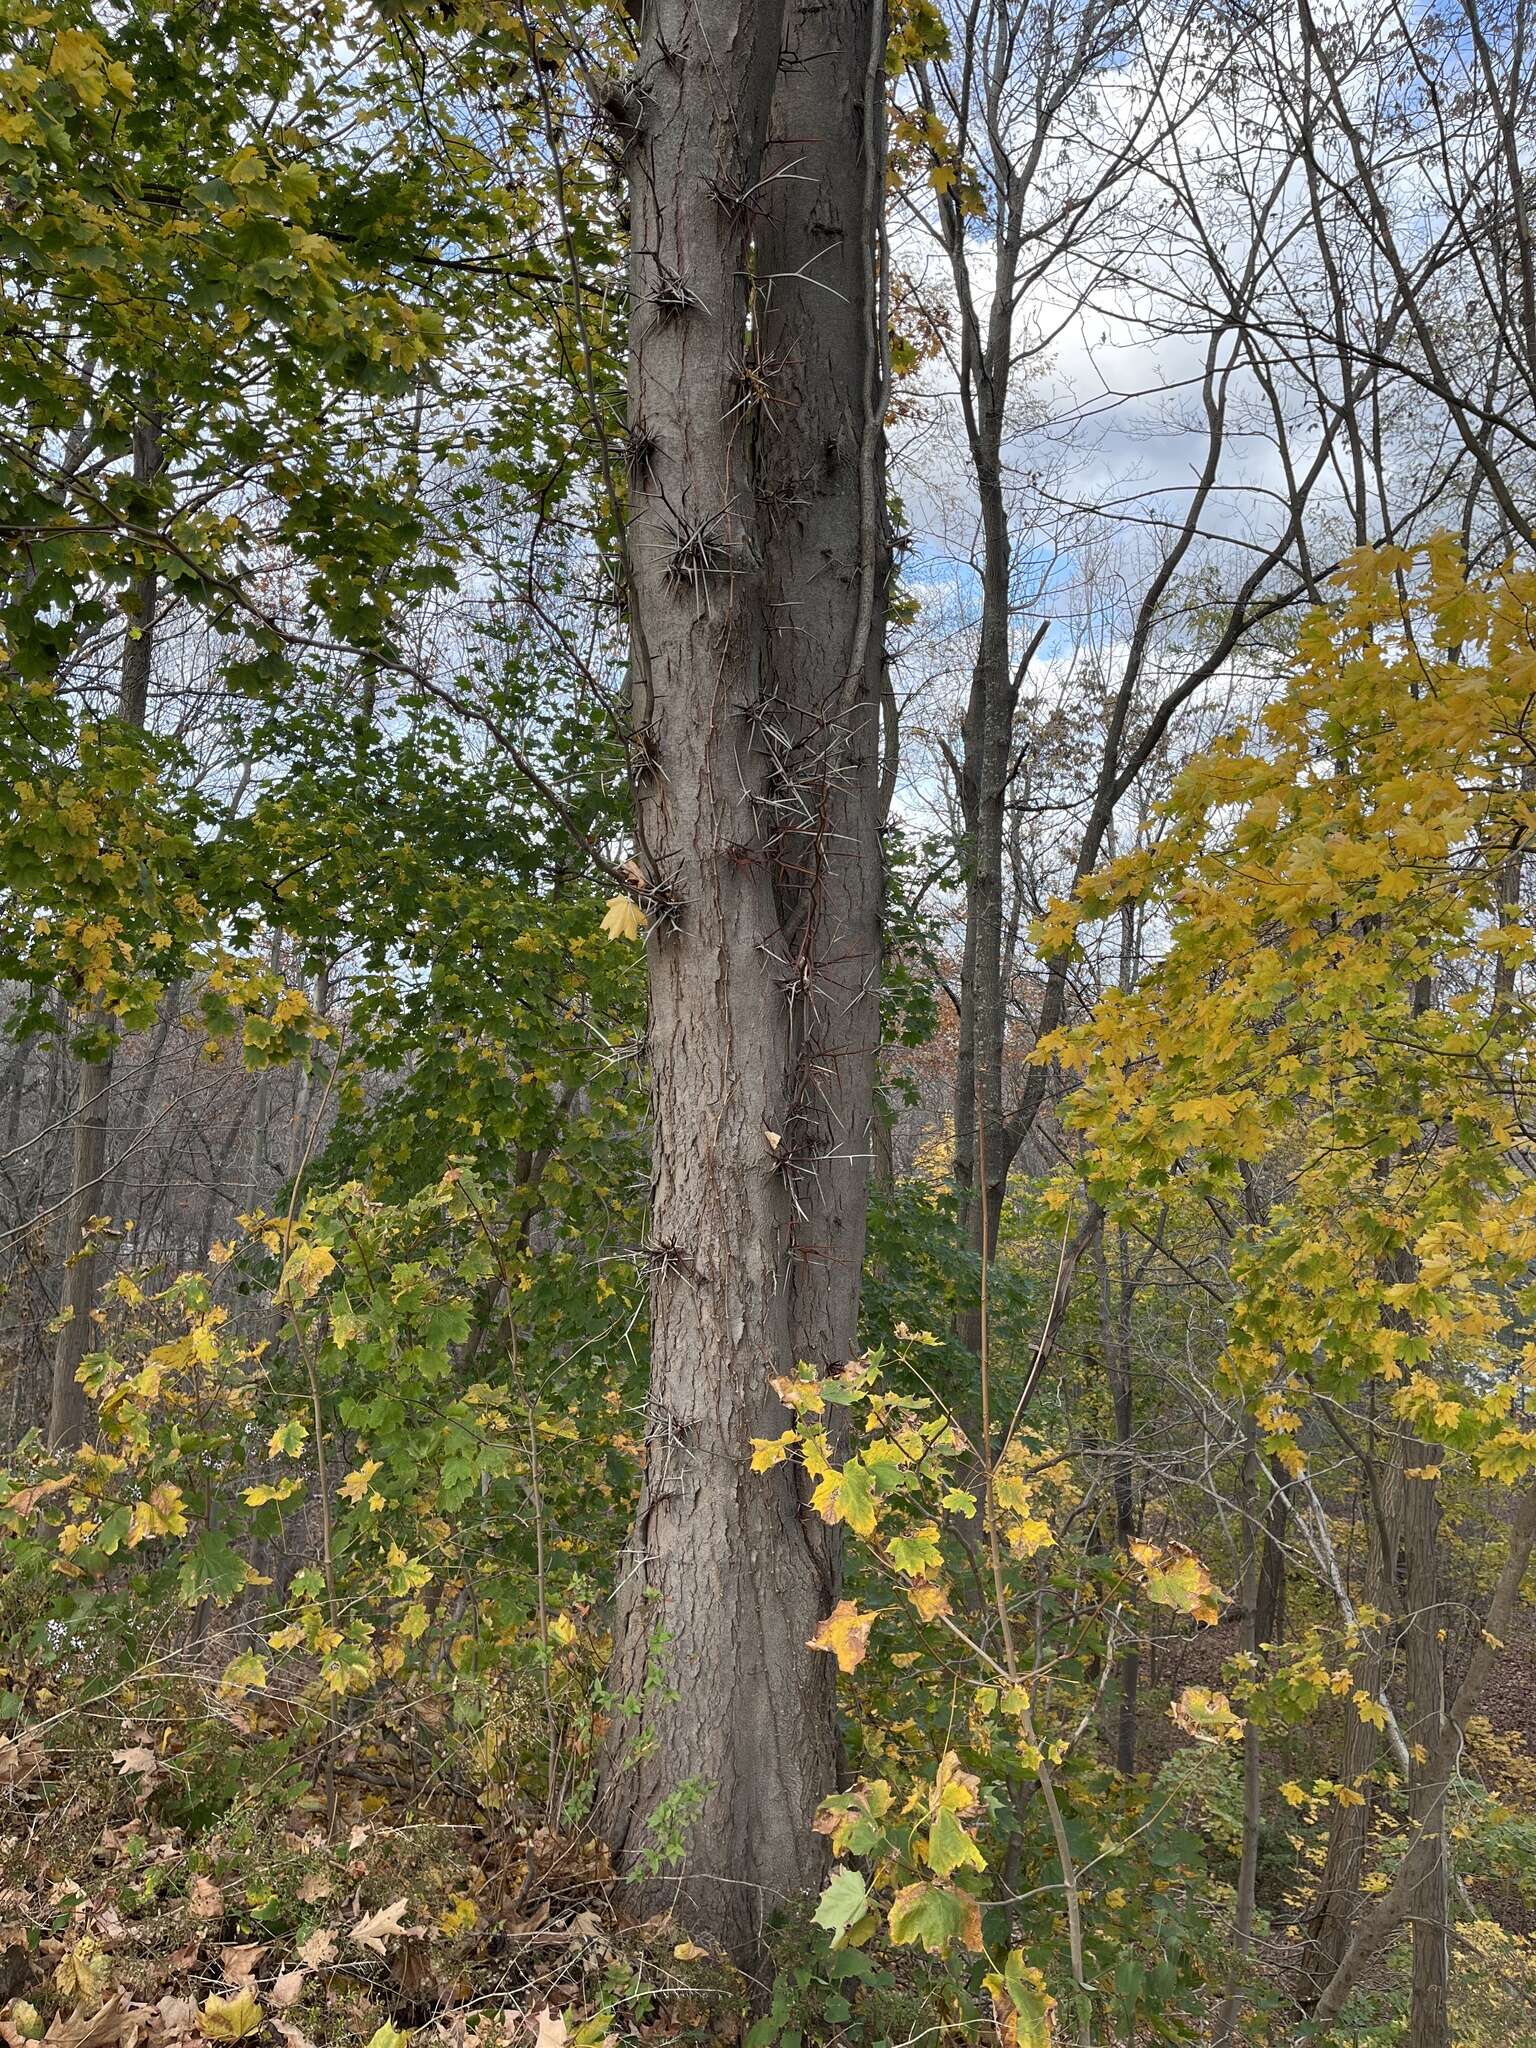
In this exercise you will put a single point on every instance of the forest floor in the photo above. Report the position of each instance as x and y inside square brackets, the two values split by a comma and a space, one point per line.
[202, 1882]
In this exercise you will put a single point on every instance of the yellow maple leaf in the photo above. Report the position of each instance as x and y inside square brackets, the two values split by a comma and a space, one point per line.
[1206, 1715]
[625, 919]
[929, 1599]
[356, 1484]
[1176, 1578]
[230, 2019]
[845, 1632]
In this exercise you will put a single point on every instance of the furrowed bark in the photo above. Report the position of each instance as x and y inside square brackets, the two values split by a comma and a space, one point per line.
[750, 326]
[820, 462]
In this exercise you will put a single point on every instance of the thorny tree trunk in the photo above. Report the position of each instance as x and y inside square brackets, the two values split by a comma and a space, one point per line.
[748, 558]
[93, 1082]
[819, 459]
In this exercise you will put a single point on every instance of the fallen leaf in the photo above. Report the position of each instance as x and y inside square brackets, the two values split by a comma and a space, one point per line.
[83, 1971]
[21, 1758]
[287, 1988]
[372, 1931]
[553, 2032]
[689, 1952]
[295, 2037]
[178, 2015]
[317, 1885]
[138, 1762]
[89, 2030]
[204, 1899]
[320, 1948]
[240, 1962]
[230, 2019]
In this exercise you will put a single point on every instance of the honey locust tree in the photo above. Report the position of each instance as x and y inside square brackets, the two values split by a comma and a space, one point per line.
[756, 565]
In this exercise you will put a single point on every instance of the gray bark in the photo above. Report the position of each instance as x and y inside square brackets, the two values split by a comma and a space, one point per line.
[1423, 1721]
[79, 1255]
[753, 695]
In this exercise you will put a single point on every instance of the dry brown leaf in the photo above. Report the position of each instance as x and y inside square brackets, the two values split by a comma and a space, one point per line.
[374, 1929]
[317, 1885]
[204, 1899]
[240, 1961]
[294, 2036]
[21, 1758]
[320, 1948]
[89, 2030]
[553, 2031]
[531, 1922]
[178, 2015]
[287, 1988]
[138, 1762]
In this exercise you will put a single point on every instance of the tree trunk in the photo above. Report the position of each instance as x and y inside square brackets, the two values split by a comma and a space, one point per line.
[753, 708]
[1423, 1722]
[93, 1083]
[1338, 1886]
[987, 740]
[1264, 1594]
[820, 462]
[1115, 1335]
[77, 1292]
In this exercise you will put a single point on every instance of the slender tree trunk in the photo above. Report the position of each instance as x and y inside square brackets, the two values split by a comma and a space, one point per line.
[77, 1293]
[1423, 1722]
[754, 743]
[820, 462]
[1264, 1591]
[1338, 1886]
[987, 740]
[1115, 1338]
[93, 1083]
